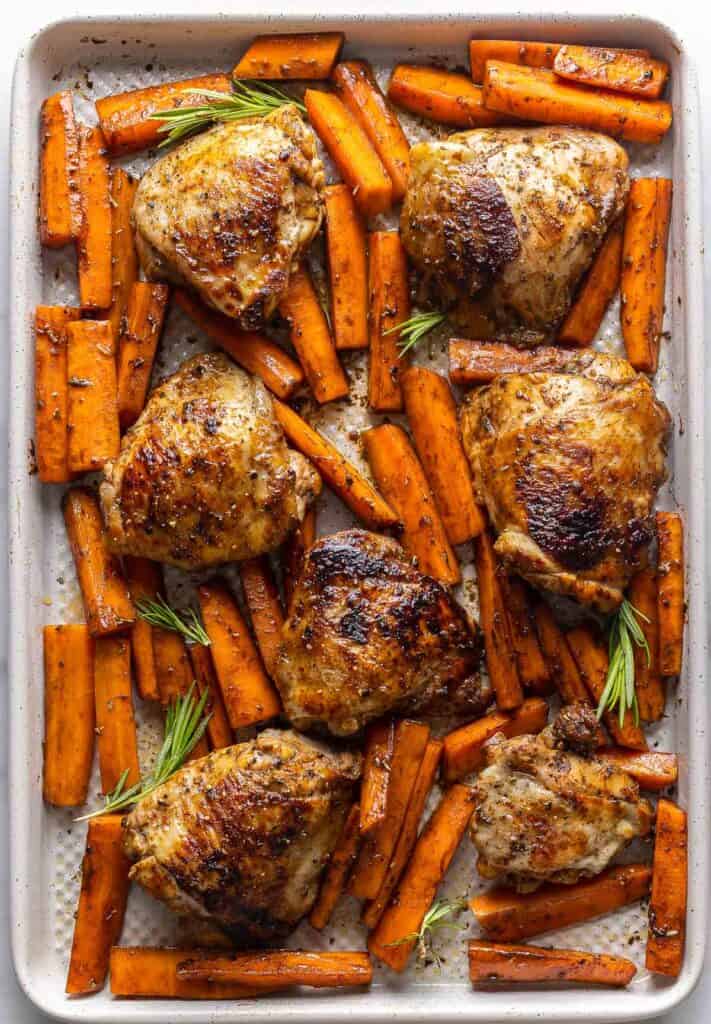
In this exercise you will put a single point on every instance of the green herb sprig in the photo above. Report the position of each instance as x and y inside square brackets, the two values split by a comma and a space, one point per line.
[434, 920]
[625, 634]
[159, 613]
[412, 330]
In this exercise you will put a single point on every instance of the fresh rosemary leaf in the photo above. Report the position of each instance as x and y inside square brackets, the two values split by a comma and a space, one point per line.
[412, 330]
[159, 613]
[434, 920]
[625, 634]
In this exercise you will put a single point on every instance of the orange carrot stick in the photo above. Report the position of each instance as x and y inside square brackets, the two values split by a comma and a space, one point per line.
[508, 916]
[126, 118]
[145, 582]
[51, 400]
[393, 939]
[174, 675]
[356, 85]
[595, 293]
[670, 540]
[311, 338]
[102, 905]
[294, 550]
[151, 973]
[60, 211]
[254, 352]
[480, 362]
[124, 259]
[107, 604]
[400, 477]
[561, 663]
[92, 406]
[644, 259]
[299, 55]
[262, 596]
[351, 151]
[282, 968]
[498, 642]
[535, 94]
[532, 668]
[341, 475]
[115, 724]
[494, 962]
[377, 765]
[667, 906]
[336, 874]
[618, 70]
[464, 747]
[389, 298]
[94, 240]
[69, 716]
[248, 694]
[137, 348]
[441, 96]
[652, 769]
[219, 731]
[649, 687]
[348, 268]
[513, 51]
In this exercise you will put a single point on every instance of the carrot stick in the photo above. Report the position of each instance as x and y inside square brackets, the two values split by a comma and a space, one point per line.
[644, 259]
[652, 769]
[356, 85]
[124, 259]
[137, 348]
[115, 724]
[535, 94]
[94, 239]
[643, 594]
[617, 70]
[126, 120]
[532, 668]
[311, 338]
[262, 596]
[400, 476]
[595, 293]
[373, 911]
[102, 905]
[60, 212]
[389, 298]
[151, 973]
[174, 675]
[464, 747]
[562, 666]
[282, 967]
[219, 731]
[51, 399]
[376, 853]
[667, 906]
[69, 717]
[348, 268]
[532, 55]
[494, 962]
[145, 581]
[670, 604]
[393, 939]
[377, 766]
[441, 96]
[508, 916]
[107, 604]
[294, 550]
[92, 405]
[253, 352]
[351, 151]
[247, 692]
[498, 642]
[480, 362]
[299, 55]
[341, 475]
[336, 874]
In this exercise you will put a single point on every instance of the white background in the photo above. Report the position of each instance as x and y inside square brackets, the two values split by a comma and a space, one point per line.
[690, 18]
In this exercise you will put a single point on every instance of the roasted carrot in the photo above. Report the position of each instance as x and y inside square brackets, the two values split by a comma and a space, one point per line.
[124, 259]
[174, 675]
[102, 905]
[92, 407]
[532, 668]
[107, 604]
[254, 352]
[247, 692]
[432, 414]
[151, 973]
[596, 291]
[60, 211]
[137, 348]
[294, 550]
[400, 477]
[513, 51]
[649, 687]
[561, 663]
[394, 938]
[508, 916]
[495, 625]
[652, 769]
[300, 55]
[667, 905]
[145, 581]
[219, 731]
[347, 267]
[670, 602]
[644, 260]
[262, 596]
[350, 149]
[535, 94]
[495, 962]
[126, 118]
[69, 716]
[311, 338]
[480, 362]
[618, 70]
[51, 438]
[341, 475]
[441, 96]
[464, 747]
[377, 765]
[279, 968]
[94, 239]
[115, 724]
[335, 877]
[389, 300]
[356, 85]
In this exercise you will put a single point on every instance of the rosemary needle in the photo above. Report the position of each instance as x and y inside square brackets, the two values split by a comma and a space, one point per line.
[625, 634]
[434, 920]
[415, 328]
[159, 613]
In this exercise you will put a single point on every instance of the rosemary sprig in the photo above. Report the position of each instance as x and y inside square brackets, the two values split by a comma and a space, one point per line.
[159, 613]
[433, 921]
[184, 727]
[247, 100]
[625, 634]
[415, 328]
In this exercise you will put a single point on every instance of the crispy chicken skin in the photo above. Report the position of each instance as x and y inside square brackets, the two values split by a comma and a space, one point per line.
[511, 217]
[544, 814]
[240, 837]
[229, 212]
[205, 475]
[568, 464]
[368, 634]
